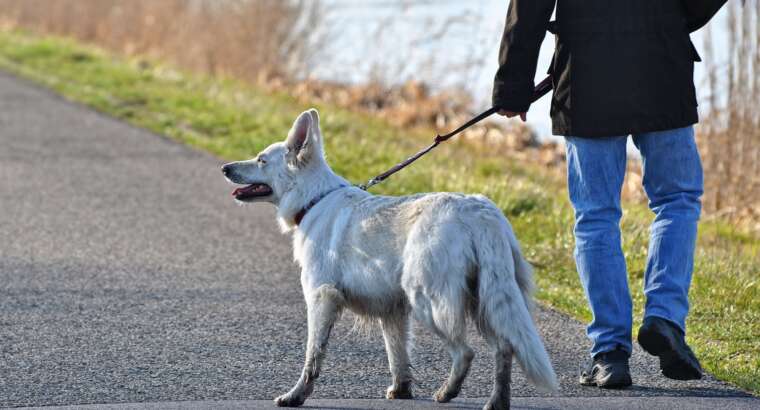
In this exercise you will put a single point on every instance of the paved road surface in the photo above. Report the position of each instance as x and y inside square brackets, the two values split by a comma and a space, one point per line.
[127, 274]
[518, 403]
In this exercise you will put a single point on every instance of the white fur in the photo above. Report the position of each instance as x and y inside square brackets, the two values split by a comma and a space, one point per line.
[441, 257]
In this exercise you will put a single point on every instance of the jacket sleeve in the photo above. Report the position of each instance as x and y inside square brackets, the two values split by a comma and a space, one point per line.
[525, 29]
[699, 12]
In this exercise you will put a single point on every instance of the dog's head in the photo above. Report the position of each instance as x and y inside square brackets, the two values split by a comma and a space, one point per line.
[274, 172]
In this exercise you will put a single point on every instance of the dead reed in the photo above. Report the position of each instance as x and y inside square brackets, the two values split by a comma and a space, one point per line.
[247, 39]
[729, 135]
[271, 43]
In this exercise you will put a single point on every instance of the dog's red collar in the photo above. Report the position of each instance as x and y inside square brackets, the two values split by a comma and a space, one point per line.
[302, 213]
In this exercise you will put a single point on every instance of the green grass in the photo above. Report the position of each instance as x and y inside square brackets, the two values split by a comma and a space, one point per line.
[234, 121]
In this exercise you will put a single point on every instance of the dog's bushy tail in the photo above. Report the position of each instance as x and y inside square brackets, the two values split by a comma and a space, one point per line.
[505, 303]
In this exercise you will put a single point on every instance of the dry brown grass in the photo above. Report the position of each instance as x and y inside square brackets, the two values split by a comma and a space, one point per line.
[247, 39]
[729, 135]
[271, 43]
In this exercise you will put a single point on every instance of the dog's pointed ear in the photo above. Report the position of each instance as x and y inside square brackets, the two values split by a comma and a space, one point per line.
[315, 124]
[305, 138]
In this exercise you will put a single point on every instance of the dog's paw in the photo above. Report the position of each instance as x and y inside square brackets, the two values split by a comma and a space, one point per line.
[402, 392]
[290, 400]
[444, 395]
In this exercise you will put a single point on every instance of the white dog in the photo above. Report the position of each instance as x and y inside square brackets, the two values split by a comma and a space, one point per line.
[442, 257]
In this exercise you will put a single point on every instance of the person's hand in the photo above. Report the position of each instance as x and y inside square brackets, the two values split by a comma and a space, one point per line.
[510, 114]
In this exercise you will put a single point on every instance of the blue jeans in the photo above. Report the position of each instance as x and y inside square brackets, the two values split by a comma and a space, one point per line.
[672, 179]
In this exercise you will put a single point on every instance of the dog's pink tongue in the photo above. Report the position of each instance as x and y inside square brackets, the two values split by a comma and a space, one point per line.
[244, 190]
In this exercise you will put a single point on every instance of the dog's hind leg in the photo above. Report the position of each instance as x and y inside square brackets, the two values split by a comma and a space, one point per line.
[323, 308]
[436, 286]
[437, 258]
[502, 377]
[396, 334]
[461, 358]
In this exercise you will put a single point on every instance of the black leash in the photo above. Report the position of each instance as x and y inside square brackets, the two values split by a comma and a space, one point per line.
[539, 91]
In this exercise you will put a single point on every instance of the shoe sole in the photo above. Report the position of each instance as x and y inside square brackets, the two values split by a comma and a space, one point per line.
[617, 385]
[674, 364]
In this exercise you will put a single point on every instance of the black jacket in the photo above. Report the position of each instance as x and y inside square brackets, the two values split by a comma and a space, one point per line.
[620, 66]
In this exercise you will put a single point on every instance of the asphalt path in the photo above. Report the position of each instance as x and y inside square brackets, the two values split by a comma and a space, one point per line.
[128, 275]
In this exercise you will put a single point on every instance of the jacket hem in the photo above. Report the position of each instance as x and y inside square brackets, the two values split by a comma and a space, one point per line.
[639, 127]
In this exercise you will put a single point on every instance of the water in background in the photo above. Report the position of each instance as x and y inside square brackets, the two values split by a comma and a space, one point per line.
[445, 43]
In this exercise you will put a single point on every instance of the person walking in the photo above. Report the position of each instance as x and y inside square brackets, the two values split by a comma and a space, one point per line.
[620, 68]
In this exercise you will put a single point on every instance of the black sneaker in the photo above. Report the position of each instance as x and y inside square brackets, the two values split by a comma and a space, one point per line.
[608, 370]
[665, 340]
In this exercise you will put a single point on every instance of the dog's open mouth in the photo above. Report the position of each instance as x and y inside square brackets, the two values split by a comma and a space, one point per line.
[251, 192]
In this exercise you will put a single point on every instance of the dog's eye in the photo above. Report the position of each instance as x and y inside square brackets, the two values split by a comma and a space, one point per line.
[262, 161]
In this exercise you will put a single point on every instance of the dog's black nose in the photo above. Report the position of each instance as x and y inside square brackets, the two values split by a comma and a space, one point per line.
[226, 170]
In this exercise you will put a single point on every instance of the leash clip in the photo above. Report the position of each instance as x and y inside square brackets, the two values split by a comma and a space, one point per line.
[369, 184]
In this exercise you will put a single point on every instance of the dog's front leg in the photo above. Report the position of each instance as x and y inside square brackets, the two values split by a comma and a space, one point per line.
[323, 308]
[396, 334]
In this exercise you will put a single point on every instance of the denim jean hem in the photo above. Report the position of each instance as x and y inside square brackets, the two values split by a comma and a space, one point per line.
[608, 347]
[655, 312]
